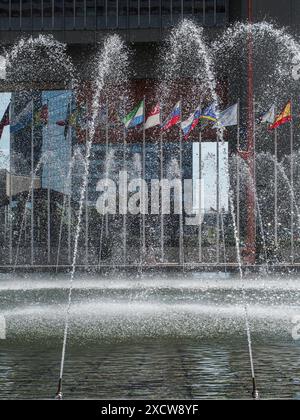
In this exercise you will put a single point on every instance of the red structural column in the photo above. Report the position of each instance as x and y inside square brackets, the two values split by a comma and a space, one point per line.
[250, 250]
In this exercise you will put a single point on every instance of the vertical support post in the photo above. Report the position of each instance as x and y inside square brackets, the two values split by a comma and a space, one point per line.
[276, 187]
[143, 207]
[181, 232]
[162, 220]
[200, 198]
[238, 212]
[106, 155]
[32, 184]
[292, 186]
[124, 210]
[87, 216]
[218, 196]
[48, 219]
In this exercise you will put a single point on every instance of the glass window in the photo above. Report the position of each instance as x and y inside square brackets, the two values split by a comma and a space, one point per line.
[111, 13]
[221, 11]
[144, 13]
[58, 14]
[26, 14]
[79, 14]
[155, 13]
[122, 10]
[15, 14]
[166, 13]
[91, 14]
[69, 14]
[198, 10]
[36, 14]
[176, 11]
[187, 8]
[47, 14]
[209, 12]
[133, 13]
[4, 14]
[101, 22]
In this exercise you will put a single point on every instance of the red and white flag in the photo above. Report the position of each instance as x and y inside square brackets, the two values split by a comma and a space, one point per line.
[154, 118]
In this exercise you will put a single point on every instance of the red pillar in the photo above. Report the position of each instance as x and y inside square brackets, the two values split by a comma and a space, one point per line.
[251, 229]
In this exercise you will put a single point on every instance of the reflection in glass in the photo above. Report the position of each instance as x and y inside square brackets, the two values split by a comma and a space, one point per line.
[101, 22]
[144, 13]
[4, 14]
[155, 13]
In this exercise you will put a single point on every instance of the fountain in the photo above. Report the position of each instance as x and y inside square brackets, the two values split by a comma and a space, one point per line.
[129, 280]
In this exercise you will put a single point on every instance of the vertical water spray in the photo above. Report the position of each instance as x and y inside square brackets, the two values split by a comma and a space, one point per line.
[112, 65]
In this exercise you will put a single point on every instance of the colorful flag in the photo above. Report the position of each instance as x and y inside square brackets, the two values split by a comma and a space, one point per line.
[228, 118]
[5, 120]
[210, 113]
[135, 117]
[22, 120]
[284, 117]
[154, 118]
[188, 125]
[173, 118]
[41, 116]
[269, 117]
[70, 121]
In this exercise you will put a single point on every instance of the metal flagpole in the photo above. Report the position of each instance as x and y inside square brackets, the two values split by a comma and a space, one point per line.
[86, 214]
[49, 207]
[162, 226]
[276, 186]
[238, 173]
[124, 169]
[200, 198]
[181, 239]
[10, 197]
[69, 134]
[218, 197]
[292, 186]
[32, 184]
[143, 192]
[106, 153]
[48, 219]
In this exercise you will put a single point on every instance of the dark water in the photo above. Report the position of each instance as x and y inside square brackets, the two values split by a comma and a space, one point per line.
[149, 338]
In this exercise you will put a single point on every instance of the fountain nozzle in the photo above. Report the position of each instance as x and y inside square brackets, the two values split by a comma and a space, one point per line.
[255, 394]
[59, 395]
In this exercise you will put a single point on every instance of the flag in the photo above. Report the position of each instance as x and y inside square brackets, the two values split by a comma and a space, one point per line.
[228, 118]
[22, 120]
[173, 118]
[135, 117]
[154, 118]
[210, 113]
[269, 117]
[188, 125]
[5, 120]
[284, 117]
[41, 116]
[70, 121]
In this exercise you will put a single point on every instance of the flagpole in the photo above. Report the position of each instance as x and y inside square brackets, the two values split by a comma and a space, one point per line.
[107, 148]
[32, 184]
[181, 239]
[86, 213]
[238, 173]
[10, 194]
[70, 196]
[292, 185]
[124, 169]
[162, 227]
[48, 203]
[276, 186]
[144, 180]
[218, 197]
[200, 198]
